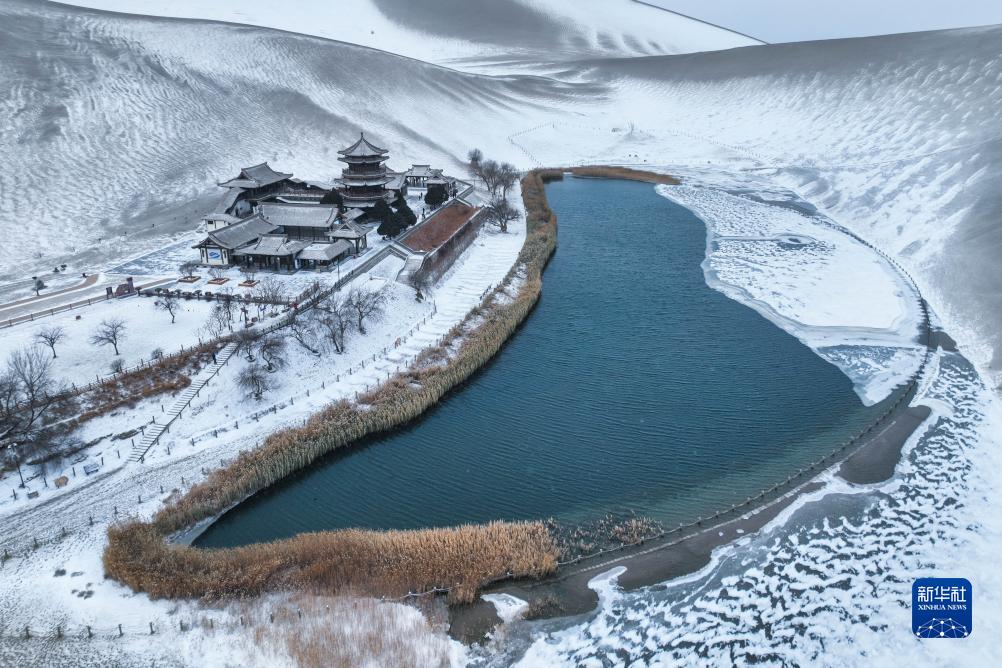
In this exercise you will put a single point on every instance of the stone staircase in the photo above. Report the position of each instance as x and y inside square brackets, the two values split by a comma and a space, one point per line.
[153, 432]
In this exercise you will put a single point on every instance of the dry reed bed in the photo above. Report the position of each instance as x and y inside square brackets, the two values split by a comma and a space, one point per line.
[610, 172]
[380, 562]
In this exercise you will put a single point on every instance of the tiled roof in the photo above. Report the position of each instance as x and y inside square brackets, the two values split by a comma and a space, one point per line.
[298, 215]
[322, 251]
[255, 176]
[349, 230]
[238, 234]
[273, 244]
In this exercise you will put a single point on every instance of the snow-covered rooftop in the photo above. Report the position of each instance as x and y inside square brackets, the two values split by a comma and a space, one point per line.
[255, 176]
[298, 215]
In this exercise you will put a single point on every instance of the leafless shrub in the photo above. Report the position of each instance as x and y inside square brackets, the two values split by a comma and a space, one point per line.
[270, 289]
[187, 269]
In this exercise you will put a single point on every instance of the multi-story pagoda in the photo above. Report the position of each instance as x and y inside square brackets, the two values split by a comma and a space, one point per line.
[364, 179]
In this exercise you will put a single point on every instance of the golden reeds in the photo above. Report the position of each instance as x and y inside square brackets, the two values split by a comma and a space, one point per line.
[610, 172]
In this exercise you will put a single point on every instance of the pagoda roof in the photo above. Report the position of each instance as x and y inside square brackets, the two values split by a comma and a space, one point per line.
[357, 180]
[363, 149]
[255, 176]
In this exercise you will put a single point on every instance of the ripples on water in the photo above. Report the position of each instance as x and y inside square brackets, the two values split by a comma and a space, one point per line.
[632, 387]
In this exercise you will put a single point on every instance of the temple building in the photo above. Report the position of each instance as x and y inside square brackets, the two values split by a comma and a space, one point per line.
[269, 219]
[363, 181]
[418, 176]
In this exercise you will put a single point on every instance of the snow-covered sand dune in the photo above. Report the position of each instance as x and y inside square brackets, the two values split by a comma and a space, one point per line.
[499, 34]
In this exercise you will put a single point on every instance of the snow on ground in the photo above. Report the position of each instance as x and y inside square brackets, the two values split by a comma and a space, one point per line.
[836, 295]
[221, 425]
[78, 361]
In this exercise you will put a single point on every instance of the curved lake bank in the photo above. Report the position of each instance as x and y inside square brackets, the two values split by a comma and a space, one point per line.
[633, 387]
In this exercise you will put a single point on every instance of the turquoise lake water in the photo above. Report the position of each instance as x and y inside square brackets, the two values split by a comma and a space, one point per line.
[633, 386]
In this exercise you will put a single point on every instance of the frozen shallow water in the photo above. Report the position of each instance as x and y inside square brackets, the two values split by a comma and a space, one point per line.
[831, 580]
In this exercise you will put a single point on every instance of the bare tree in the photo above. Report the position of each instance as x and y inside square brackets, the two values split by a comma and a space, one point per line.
[499, 213]
[269, 291]
[367, 304]
[27, 392]
[167, 301]
[336, 317]
[249, 272]
[490, 172]
[506, 179]
[216, 272]
[222, 315]
[188, 268]
[304, 329]
[498, 178]
[51, 336]
[247, 340]
[272, 351]
[254, 381]
[474, 157]
[109, 333]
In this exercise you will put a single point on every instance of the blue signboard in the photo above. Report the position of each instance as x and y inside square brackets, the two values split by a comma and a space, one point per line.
[942, 608]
